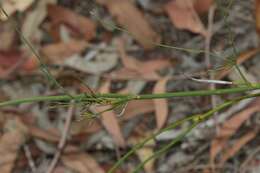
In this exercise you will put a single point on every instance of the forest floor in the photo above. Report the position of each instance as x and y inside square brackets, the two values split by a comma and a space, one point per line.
[127, 46]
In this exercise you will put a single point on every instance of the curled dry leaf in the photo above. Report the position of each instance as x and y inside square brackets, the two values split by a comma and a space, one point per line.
[133, 21]
[10, 143]
[80, 161]
[110, 121]
[184, 16]
[80, 24]
[229, 128]
[161, 105]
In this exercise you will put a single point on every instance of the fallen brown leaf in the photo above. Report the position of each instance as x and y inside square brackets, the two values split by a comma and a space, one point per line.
[184, 16]
[133, 21]
[139, 107]
[202, 6]
[161, 105]
[80, 24]
[127, 74]
[14, 59]
[80, 161]
[229, 128]
[110, 121]
[10, 142]
[9, 58]
[145, 152]
[56, 53]
[148, 68]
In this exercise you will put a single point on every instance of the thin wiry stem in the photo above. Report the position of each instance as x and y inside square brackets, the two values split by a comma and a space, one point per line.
[196, 119]
[85, 97]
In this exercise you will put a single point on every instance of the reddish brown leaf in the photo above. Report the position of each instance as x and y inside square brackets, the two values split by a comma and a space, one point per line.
[161, 105]
[80, 24]
[238, 144]
[31, 64]
[229, 128]
[134, 21]
[13, 59]
[184, 16]
[110, 121]
[9, 58]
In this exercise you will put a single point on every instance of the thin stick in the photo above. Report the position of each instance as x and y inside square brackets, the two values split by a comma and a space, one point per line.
[63, 138]
[29, 158]
[207, 55]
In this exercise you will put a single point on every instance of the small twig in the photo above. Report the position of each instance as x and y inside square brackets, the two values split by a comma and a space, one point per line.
[29, 158]
[207, 50]
[63, 138]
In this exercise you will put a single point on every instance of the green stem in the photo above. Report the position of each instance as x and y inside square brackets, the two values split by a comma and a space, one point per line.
[165, 148]
[196, 118]
[85, 97]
